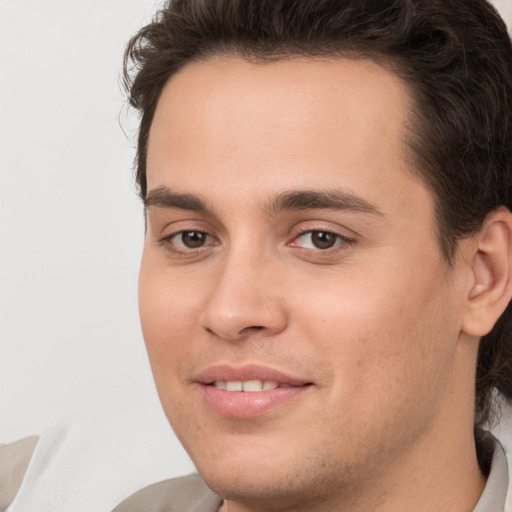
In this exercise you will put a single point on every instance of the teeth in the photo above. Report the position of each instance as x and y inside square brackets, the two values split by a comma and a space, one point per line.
[235, 385]
[252, 385]
[247, 385]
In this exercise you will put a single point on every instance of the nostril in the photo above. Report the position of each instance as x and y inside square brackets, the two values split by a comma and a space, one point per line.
[253, 328]
[246, 331]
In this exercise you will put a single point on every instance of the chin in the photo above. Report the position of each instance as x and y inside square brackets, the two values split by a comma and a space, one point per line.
[265, 471]
[268, 486]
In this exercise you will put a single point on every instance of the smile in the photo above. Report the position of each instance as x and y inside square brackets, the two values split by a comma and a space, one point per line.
[249, 391]
[250, 386]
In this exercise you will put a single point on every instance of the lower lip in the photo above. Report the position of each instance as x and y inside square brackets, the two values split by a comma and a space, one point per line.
[249, 404]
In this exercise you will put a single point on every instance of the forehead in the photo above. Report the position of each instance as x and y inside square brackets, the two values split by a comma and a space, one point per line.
[308, 122]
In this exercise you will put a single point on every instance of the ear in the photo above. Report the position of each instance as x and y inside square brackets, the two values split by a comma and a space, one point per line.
[491, 272]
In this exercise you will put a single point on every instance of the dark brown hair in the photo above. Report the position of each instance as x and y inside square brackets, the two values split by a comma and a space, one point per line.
[456, 57]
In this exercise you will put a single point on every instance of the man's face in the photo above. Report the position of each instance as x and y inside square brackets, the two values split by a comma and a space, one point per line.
[289, 244]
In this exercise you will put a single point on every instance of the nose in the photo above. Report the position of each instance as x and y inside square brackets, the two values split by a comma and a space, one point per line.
[245, 299]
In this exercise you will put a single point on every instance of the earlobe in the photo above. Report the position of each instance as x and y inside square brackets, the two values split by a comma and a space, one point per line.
[491, 271]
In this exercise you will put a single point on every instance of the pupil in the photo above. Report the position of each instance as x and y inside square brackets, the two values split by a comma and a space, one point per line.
[193, 239]
[323, 240]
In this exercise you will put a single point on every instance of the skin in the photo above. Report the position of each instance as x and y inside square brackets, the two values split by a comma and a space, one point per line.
[384, 329]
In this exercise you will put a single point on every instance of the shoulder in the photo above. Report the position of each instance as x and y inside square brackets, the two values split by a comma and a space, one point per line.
[184, 494]
[14, 461]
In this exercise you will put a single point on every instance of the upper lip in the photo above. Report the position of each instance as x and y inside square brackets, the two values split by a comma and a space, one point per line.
[229, 373]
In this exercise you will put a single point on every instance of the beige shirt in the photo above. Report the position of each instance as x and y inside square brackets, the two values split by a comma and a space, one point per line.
[14, 460]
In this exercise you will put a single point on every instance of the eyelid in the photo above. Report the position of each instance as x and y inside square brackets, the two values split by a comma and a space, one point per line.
[339, 236]
[323, 225]
[175, 234]
[168, 228]
[180, 249]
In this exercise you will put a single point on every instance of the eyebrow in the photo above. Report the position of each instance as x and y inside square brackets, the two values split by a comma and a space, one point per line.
[163, 197]
[321, 199]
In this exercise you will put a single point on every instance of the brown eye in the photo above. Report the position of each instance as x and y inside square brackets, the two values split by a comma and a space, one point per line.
[323, 239]
[319, 240]
[189, 242]
[192, 239]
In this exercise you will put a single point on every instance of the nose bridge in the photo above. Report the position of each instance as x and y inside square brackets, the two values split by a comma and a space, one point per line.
[245, 296]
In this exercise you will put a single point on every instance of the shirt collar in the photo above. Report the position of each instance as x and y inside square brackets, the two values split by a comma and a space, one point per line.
[495, 492]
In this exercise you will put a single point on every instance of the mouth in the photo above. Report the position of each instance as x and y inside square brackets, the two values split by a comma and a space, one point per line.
[251, 386]
[249, 391]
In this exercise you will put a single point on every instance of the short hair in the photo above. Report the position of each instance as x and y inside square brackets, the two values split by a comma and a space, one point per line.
[455, 57]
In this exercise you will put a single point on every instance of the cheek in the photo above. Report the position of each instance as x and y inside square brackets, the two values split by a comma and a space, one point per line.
[386, 367]
[168, 318]
[381, 332]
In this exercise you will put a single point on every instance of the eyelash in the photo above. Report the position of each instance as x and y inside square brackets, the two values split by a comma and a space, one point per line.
[183, 250]
[168, 241]
[339, 240]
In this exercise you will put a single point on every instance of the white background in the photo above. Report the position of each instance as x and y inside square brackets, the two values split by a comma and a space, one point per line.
[71, 227]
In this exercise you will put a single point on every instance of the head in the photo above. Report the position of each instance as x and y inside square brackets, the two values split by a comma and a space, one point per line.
[443, 159]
